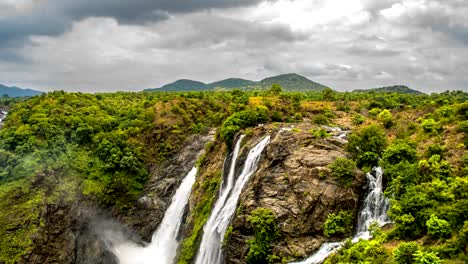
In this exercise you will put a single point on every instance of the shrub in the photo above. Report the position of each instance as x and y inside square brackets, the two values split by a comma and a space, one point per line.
[424, 257]
[369, 139]
[399, 151]
[435, 149]
[438, 227]
[320, 133]
[276, 89]
[404, 253]
[266, 231]
[340, 224]
[374, 111]
[463, 126]
[342, 170]
[242, 119]
[320, 120]
[430, 126]
[362, 252]
[386, 118]
[358, 119]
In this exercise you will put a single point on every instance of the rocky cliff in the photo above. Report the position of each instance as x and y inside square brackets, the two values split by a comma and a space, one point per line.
[74, 229]
[294, 182]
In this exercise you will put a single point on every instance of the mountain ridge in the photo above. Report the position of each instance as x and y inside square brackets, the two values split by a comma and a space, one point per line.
[390, 89]
[289, 81]
[13, 91]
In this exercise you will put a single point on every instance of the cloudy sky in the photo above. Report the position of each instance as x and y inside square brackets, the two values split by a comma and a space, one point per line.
[109, 45]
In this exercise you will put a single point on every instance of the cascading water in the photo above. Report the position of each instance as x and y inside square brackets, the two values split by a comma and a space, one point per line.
[3, 114]
[375, 205]
[210, 251]
[374, 209]
[163, 247]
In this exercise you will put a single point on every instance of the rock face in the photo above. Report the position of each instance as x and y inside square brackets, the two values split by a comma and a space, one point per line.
[294, 182]
[163, 182]
[73, 227]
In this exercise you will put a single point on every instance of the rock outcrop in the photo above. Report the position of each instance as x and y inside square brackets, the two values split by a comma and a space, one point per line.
[294, 182]
[74, 227]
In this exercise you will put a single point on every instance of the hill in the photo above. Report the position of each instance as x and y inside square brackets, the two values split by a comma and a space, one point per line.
[181, 85]
[231, 83]
[289, 82]
[17, 92]
[391, 89]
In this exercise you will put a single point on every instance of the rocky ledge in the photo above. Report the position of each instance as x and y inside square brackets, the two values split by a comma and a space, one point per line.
[294, 182]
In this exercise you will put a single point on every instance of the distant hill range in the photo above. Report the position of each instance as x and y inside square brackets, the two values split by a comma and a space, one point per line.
[14, 91]
[392, 89]
[289, 82]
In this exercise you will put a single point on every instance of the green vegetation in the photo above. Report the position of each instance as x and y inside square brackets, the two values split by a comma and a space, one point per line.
[200, 215]
[425, 169]
[342, 170]
[438, 227]
[265, 229]
[100, 147]
[361, 252]
[340, 225]
[404, 253]
[367, 145]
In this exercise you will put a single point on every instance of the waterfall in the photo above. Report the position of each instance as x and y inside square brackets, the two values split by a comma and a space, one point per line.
[375, 205]
[164, 243]
[374, 209]
[3, 114]
[210, 251]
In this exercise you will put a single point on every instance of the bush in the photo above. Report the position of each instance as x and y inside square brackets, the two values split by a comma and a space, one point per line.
[430, 126]
[424, 257]
[242, 119]
[320, 120]
[342, 170]
[386, 118]
[369, 139]
[374, 112]
[266, 231]
[463, 126]
[438, 227]
[404, 253]
[358, 119]
[362, 252]
[399, 151]
[340, 224]
[435, 149]
[320, 133]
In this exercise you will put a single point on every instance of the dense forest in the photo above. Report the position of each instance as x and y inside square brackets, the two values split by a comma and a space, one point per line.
[100, 148]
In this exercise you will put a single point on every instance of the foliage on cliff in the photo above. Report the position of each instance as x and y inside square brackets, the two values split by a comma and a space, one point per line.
[101, 147]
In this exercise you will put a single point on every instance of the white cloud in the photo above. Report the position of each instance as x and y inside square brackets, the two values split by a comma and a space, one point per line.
[344, 44]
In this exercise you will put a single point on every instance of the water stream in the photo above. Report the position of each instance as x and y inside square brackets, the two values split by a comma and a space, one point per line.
[210, 251]
[164, 243]
[374, 209]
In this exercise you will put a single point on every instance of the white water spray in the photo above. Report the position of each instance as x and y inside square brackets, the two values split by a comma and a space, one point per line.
[374, 209]
[210, 251]
[164, 243]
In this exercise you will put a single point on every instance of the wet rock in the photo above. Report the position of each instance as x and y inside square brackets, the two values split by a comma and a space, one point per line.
[294, 182]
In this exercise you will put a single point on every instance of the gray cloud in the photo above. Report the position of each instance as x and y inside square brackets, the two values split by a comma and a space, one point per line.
[53, 17]
[130, 45]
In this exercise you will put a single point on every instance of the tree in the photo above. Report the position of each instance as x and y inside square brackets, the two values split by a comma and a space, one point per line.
[404, 252]
[424, 257]
[340, 224]
[328, 94]
[438, 227]
[276, 89]
[366, 144]
[266, 231]
[342, 170]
